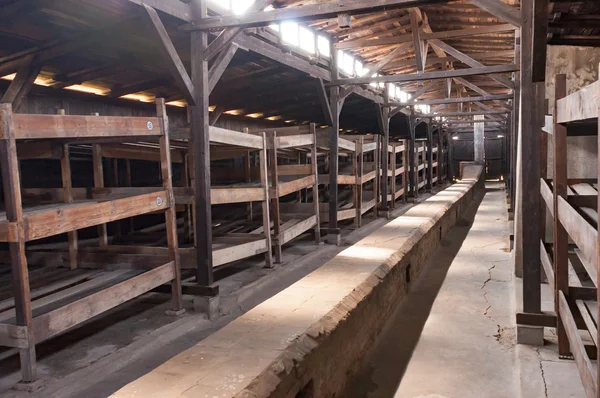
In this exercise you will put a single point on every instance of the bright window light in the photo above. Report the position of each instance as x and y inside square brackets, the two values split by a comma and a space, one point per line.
[274, 27]
[289, 33]
[392, 91]
[240, 6]
[307, 40]
[348, 65]
[359, 68]
[374, 84]
[323, 46]
[340, 59]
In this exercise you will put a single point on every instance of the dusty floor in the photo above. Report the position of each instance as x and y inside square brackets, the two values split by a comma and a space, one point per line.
[454, 336]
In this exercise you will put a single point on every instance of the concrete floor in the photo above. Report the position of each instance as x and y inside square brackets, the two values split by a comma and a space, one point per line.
[454, 335]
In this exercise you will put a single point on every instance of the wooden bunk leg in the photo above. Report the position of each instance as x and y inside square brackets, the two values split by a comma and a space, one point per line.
[315, 172]
[378, 155]
[275, 210]
[561, 238]
[99, 183]
[9, 166]
[68, 192]
[393, 182]
[405, 183]
[356, 197]
[170, 213]
[264, 182]
[128, 183]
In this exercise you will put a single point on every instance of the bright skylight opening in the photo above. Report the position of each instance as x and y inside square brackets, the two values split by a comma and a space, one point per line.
[240, 6]
[307, 40]
[348, 64]
[323, 46]
[290, 33]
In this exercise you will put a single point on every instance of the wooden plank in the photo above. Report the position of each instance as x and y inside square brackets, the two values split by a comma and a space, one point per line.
[295, 169]
[45, 223]
[587, 319]
[68, 199]
[288, 234]
[501, 10]
[230, 254]
[55, 126]
[579, 230]
[296, 185]
[64, 318]
[584, 365]
[581, 105]
[547, 266]
[133, 152]
[174, 63]
[225, 195]
[235, 138]
[13, 336]
[219, 66]
[294, 141]
[264, 182]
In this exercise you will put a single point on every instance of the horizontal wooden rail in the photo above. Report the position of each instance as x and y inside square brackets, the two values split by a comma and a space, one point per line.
[579, 106]
[229, 137]
[27, 127]
[13, 336]
[583, 234]
[227, 195]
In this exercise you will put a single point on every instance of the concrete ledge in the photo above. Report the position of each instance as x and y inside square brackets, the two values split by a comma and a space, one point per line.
[310, 337]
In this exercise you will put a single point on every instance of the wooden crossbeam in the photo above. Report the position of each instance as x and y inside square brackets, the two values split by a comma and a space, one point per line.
[169, 52]
[324, 100]
[220, 64]
[457, 100]
[417, 42]
[330, 9]
[408, 38]
[501, 10]
[428, 75]
[477, 113]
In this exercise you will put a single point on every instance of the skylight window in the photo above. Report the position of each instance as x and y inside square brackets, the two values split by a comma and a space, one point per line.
[307, 40]
[290, 33]
[348, 64]
[323, 46]
[240, 6]
[359, 68]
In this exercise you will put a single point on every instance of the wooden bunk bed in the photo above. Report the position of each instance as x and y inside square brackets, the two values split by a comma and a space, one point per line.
[420, 165]
[397, 171]
[359, 168]
[32, 316]
[293, 171]
[571, 262]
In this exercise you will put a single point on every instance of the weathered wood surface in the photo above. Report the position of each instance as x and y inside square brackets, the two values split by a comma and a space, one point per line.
[581, 105]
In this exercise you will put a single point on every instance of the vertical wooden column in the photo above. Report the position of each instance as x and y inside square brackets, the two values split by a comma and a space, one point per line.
[450, 158]
[358, 167]
[529, 202]
[333, 232]
[9, 165]
[248, 177]
[315, 171]
[430, 155]
[199, 134]
[385, 135]
[264, 182]
[514, 139]
[393, 167]
[128, 183]
[67, 184]
[479, 139]
[99, 183]
[561, 238]
[170, 213]
[413, 172]
[377, 158]
[274, 196]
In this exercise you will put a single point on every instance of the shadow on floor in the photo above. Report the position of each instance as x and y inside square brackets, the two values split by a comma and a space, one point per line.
[393, 350]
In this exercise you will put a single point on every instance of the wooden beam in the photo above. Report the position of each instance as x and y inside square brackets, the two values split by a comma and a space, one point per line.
[169, 52]
[417, 42]
[427, 75]
[324, 100]
[408, 38]
[330, 9]
[453, 114]
[137, 87]
[22, 84]
[500, 10]
[540, 40]
[216, 114]
[469, 61]
[220, 64]
[457, 100]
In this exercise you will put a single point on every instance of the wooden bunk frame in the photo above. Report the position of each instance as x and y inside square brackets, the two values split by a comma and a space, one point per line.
[397, 172]
[293, 168]
[420, 165]
[33, 321]
[572, 269]
[355, 149]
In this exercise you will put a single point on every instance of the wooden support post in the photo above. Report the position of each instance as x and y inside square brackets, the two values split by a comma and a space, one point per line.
[405, 176]
[333, 232]
[412, 157]
[561, 238]
[430, 155]
[515, 125]
[128, 183]
[9, 165]
[264, 182]
[170, 213]
[99, 183]
[528, 206]
[479, 140]
[199, 134]
[315, 171]
[65, 168]
[450, 158]
[274, 196]
[248, 177]
[377, 182]
[385, 138]
[392, 164]
[358, 169]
